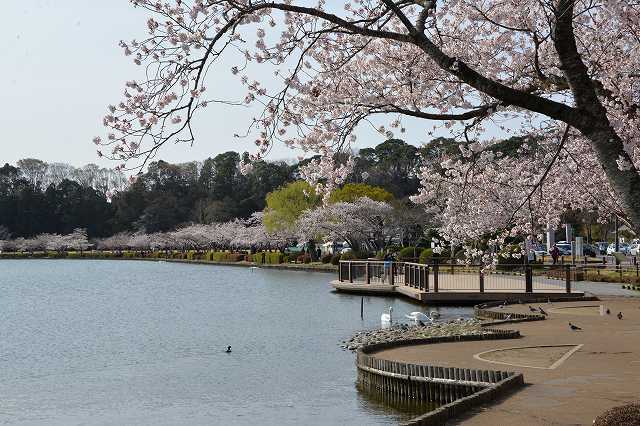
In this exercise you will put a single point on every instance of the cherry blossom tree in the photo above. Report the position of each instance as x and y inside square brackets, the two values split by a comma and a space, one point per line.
[565, 70]
[362, 223]
[117, 242]
[77, 240]
[236, 234]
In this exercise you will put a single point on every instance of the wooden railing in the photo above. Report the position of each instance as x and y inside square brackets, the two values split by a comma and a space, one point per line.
[450, 277]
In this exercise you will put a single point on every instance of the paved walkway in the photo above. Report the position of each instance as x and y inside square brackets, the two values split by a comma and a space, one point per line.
[602, 373]
[603, 288]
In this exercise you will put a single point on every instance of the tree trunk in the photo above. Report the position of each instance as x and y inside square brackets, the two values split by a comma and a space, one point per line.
[608, 147]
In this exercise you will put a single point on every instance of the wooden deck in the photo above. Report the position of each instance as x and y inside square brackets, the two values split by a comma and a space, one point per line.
[461, 296]
[453, 284]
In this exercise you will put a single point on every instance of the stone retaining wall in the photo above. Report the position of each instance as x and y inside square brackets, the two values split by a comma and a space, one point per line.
[484, 310]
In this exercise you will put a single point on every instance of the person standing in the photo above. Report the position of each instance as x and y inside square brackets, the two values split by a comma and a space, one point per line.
[554, 252]
[388, 260]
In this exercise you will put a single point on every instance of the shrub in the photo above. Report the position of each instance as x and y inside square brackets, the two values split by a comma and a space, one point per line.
[348, 256]
[427, 255]
[221, 256]
[234, 257]
[268, 257]
[326, 258]
[335, 259]
[274, 258]
[56, 254]
[304, 258]
[408, 253]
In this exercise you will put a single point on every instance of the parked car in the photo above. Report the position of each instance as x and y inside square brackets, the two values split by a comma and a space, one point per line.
[540, 250]
[622, 248]
[565, 248]
[634, 249]
[590, 250]
[602, 247]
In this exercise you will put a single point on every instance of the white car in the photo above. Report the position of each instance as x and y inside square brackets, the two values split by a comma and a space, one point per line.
[623, 248]
[634, 249]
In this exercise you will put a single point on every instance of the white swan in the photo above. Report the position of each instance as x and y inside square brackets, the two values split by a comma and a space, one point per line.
[419, 316]
[387, 319]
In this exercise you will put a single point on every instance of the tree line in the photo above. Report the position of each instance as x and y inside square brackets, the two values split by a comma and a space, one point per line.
[42, 198]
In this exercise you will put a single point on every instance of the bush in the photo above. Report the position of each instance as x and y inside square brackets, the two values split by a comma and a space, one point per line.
[348, 256]
[426, 256]
[56, 254]
[274, 258]
[304, 258]
[408, 253]
[234, 257]
[326, 258]
[221, 256]
[335, 259]
[268, 257]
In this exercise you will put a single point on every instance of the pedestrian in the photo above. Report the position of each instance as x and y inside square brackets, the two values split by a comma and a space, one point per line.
[555, 252]
[318, 253]
[388, 260]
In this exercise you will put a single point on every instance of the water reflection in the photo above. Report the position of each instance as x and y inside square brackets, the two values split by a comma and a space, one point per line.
[385, 402]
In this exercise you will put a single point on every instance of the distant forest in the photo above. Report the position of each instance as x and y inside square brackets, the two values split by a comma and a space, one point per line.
[36, 197]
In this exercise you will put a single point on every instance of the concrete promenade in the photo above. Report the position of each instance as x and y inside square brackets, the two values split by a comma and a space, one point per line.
[572, 376]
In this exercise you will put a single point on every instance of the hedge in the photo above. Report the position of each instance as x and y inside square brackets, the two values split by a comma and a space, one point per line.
[223, 256]
[409, 253]
[268, 257]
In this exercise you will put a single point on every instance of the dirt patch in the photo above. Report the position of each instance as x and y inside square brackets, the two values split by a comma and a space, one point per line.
[533, 357]
[577, 310]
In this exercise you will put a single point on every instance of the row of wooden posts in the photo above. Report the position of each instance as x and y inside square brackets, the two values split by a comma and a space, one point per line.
[423, 382]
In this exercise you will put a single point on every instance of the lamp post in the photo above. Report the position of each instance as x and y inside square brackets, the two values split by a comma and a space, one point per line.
[617, 236]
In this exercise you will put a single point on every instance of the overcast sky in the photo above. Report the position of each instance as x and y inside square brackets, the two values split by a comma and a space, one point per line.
[61, 67]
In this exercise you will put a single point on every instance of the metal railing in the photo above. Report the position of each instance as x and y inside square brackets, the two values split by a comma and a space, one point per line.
[462, 278]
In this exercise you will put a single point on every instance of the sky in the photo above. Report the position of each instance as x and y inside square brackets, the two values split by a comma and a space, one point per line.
[62, 67]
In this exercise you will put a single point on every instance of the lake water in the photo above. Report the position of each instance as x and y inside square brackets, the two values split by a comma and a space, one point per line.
[136, 343]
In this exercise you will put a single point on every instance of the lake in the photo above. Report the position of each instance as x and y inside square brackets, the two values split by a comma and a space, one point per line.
[132, 342]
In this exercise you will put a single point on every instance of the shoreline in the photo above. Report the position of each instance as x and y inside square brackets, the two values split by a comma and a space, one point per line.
[562, 367]
[321, 267]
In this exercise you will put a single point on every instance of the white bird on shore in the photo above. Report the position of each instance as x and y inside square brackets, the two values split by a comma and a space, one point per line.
[434, 314]
[387, 319]
[419, 317]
